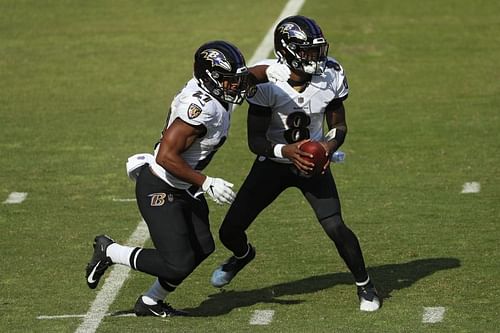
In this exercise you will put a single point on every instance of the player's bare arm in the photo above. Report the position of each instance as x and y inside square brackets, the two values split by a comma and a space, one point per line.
[176, 139]
[264, 73]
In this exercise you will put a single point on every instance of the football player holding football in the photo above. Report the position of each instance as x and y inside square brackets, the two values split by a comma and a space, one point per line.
[281, 117]
[170, 185]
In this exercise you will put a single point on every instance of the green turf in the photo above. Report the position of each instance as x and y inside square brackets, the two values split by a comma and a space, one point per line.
[85, 84]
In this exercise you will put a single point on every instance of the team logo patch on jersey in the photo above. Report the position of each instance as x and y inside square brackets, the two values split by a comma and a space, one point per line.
[293, 31]
[193, 111]
[217, 58]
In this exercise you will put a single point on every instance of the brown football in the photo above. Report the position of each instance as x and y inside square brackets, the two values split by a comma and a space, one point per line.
[319, 155]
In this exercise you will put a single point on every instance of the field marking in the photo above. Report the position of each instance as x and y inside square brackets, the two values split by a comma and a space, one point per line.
[471, 187]
[106, 296]
[262, 317]
[119, 273]
[44, 317]
[266, 46]
[433, 314]
[16, 197]
[124, 200]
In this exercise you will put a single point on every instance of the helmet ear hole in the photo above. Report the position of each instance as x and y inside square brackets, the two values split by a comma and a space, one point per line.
[215, 75]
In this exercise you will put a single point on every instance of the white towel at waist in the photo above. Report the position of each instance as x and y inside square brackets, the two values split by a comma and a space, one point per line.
[136, 161]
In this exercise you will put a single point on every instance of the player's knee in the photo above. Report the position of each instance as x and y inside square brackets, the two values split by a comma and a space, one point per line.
[333, 225]
[207, 248]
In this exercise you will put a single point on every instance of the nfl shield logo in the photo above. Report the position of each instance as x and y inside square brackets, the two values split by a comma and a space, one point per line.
[193, 111]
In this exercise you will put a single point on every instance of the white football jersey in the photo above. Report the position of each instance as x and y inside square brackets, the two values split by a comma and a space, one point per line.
[294, 112]
[195, 106]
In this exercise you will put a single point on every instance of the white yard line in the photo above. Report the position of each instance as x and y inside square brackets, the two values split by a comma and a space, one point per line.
[43, 317]
[266, 46]
[16, 197]
[262, 317]
[433, 314]
[112, 285]
[119, 274]
[471, 187]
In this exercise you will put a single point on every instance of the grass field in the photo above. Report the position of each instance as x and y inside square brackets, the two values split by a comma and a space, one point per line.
[85, 84]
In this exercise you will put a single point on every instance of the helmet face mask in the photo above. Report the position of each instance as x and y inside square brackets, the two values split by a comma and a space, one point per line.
[299, 42]
[220, 70]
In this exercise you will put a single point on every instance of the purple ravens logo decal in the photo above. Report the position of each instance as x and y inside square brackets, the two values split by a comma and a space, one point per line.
[193, 111]
[217, 58]
[293, 31]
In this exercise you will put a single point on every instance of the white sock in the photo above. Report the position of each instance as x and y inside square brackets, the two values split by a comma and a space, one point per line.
[155, 293]
[119, 254]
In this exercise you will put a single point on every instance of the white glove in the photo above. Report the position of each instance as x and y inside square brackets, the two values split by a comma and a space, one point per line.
[219, 190]
[278, 72]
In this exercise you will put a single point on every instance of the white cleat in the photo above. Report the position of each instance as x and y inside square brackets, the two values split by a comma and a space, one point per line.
[368, 298]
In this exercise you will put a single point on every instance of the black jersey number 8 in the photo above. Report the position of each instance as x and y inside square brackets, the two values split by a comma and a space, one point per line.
[297, 123]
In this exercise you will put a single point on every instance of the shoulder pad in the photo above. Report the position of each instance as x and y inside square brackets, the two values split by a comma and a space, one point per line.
[332, 64]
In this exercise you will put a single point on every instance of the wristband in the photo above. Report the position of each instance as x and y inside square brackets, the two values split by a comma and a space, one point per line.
[277, 150]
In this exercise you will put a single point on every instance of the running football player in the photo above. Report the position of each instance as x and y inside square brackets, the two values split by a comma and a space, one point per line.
[170, 184]
[281, 117]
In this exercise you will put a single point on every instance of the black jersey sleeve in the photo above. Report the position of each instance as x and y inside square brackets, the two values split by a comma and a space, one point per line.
[258, 120]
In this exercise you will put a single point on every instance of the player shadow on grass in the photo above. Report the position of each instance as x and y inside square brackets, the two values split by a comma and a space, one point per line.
[387, 277]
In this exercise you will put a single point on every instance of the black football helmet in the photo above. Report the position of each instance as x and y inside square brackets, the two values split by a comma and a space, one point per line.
[299, 42]
[220, 69]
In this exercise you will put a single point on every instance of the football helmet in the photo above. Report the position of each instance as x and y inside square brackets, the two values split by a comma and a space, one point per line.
[299, 42]
[220, 70]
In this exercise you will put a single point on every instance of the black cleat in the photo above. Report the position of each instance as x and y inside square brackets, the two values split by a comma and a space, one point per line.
[368, 298]
[99, 261]
[228, 270]
[160, 309]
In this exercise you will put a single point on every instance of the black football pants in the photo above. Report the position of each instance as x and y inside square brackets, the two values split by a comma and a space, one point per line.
[179, 228]
[265, 182]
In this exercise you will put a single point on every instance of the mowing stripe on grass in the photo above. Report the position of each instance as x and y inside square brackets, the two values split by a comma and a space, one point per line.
[16, 197]
[471, 187]
[61, 316]
[112, 285]
[433, 314]
[124, 200]
[262, 317]
[119, 273]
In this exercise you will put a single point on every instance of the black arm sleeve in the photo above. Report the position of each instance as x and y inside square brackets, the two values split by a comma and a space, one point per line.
[258, 120]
